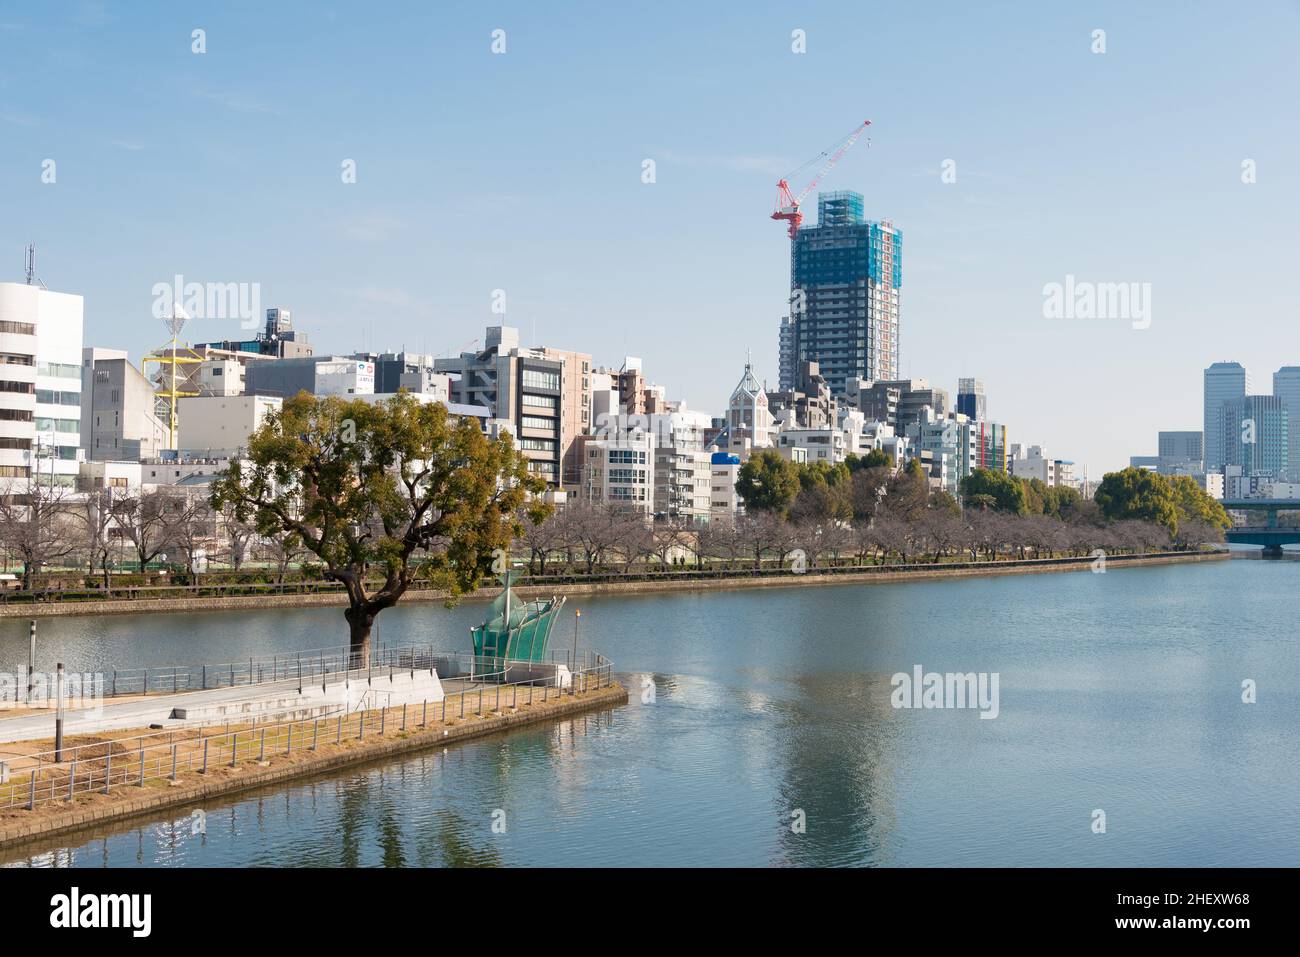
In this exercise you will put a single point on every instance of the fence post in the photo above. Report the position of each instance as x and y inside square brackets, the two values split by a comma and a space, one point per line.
[108, 767]
[339, 738]
[261, 754]
[288, 747]
[205, 677]
[173, 762]
[31, 797]
[142, 766]
[205, 756]
[234, 747]
[424, 717]
[403, 716]
[444, 707]
[530, 695]
[383, 719]
[72, 778]
[462, 703]
[479, 712]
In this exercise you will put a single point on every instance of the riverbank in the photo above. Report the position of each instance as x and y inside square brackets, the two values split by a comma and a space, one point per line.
[668, 581]
[18, 825]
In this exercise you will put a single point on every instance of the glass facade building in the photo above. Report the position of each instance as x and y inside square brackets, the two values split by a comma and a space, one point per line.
[845, 279]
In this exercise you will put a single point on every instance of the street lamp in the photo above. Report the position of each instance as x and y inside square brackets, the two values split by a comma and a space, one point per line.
[577, 617]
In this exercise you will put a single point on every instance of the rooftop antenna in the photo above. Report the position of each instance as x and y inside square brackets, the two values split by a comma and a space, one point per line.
[29, 264]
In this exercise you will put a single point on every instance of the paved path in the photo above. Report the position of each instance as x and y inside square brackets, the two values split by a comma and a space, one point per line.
[140, 712]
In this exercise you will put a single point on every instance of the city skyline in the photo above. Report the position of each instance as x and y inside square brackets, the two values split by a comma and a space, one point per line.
[686, 272]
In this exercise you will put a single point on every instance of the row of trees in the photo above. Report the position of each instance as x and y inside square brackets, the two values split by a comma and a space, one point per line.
[403, 490]
[46, 527]
[599, 538]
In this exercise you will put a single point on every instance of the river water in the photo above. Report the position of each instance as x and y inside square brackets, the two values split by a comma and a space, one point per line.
[760, 731]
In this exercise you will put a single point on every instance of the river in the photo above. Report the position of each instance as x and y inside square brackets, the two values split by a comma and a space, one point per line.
[760, 732]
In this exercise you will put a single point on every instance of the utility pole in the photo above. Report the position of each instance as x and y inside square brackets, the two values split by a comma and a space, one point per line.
[31, 660]
[58, 715]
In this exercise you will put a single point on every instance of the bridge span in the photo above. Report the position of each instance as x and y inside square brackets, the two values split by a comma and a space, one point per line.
[1271, 535]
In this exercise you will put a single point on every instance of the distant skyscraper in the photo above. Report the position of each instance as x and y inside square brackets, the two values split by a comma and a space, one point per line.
[971, 401]
[845, 275]
[1286, 386]
[1255, 435]
[1224, 382]
[1181, 451]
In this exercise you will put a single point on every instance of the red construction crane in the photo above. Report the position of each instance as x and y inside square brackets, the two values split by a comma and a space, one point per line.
[787, 204]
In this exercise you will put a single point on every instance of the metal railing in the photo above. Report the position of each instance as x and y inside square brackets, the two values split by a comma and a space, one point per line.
[106, 765]
[307, 667]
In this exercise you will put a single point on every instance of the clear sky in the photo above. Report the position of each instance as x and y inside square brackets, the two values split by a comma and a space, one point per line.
[522, 171]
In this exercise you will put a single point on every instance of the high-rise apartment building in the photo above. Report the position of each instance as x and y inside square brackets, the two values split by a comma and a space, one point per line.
[545, 395]
[40, 385]
[1224, 382]
[845, 277]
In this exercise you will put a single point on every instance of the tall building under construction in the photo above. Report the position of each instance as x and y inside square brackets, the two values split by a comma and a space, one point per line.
[845, 277]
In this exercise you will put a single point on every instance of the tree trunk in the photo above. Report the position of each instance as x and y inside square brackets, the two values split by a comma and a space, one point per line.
[359, 622]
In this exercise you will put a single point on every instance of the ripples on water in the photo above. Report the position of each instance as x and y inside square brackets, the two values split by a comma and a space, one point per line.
[1118, 691]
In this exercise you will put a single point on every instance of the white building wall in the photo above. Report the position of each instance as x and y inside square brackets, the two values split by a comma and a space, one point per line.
[46, 328]
[216, 424]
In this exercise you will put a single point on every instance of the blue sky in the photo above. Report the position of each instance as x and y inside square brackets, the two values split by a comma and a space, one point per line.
[522, 172]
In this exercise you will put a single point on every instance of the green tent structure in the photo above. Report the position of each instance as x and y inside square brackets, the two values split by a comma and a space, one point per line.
[515, 630]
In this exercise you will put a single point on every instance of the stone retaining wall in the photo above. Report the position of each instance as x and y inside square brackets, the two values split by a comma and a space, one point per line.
[131, 801]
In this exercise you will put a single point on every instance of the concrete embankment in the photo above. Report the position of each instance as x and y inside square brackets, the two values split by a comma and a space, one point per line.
[19, 826]
[633, 586]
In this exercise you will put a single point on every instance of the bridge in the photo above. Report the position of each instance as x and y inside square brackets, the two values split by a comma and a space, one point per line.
[1270, 535]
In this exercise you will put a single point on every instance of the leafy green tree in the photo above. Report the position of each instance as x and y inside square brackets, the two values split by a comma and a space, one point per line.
[1194, 503]
[1138, 494]
[401, 486]
[768, 483]
[875, 459]
[1007, 493]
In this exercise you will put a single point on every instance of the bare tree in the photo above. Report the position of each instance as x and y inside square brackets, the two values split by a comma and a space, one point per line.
[191, 530]
[94, 514]
[35, 524]
[143, 518]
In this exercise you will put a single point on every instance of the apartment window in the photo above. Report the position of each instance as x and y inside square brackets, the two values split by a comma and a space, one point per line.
[541, 401]
[538, 379]
[536, 422]
[15, 415]
[18, 328]
[11, 443]
[53, 397]
[61, 369]
[9, 359]
[25, 388]
[14, 471]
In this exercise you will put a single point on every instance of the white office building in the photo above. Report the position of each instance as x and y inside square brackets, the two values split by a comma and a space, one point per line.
[40, 385]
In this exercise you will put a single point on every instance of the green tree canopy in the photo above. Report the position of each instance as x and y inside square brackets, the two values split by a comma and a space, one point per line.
[1007, 493]
[768, 483]
[399, 485]
[1139, 494]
